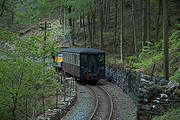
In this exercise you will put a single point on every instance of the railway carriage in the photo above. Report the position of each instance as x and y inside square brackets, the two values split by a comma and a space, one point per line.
[84, 63]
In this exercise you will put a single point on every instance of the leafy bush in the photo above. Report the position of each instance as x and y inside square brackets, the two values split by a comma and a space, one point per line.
[25, 77]
[154, 54]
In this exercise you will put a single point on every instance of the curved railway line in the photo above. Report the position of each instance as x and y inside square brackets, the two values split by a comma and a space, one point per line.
[103, 101]
[103, 104]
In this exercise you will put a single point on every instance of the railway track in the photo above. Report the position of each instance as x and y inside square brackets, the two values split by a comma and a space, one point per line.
[94, 103]
[103, 104]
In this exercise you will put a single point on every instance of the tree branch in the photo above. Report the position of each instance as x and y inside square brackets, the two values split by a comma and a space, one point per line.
[2, 8]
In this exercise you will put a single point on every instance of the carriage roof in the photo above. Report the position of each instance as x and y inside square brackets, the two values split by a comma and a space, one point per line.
[83, 50]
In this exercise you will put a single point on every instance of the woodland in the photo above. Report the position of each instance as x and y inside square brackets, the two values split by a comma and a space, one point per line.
[139, 34]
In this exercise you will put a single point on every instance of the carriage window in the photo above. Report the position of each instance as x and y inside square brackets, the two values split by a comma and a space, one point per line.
[67, 58]
[72, 58]
[64, 57]
[78, 61]
[83, 59]
[75, 59]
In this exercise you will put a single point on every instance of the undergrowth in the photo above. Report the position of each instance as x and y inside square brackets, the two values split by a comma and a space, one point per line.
[151, 59]
[173, 114]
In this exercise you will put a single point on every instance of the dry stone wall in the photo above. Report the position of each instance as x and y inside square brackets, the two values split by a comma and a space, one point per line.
[152, 95]
[64, 105]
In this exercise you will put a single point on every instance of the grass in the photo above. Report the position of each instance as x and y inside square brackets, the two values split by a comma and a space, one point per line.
[173, 114]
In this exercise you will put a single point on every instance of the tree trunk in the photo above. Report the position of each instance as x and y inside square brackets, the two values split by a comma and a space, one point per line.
[158, 19]
[73, 24]
[165, 37]
[148, 21]
[14, 107]
[102, 23]
[73, 32]
[70, 19]
[94, 24]
[121, 39]
[141, 23]
[106, 15]
[115, 26]
[80, 21]
[84, 28]
[2, 8]
[64, 18]
[93, 29]
[134, 28]
[144, 22]
[43, 100]
[26, 107]
[62, 15]
[90, 30]
[109, 13]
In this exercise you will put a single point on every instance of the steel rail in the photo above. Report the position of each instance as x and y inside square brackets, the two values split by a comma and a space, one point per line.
[111, 102]
[97, 103]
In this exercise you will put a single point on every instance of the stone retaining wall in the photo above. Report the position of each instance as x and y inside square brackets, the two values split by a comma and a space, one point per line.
[152, 95]
[64, 105]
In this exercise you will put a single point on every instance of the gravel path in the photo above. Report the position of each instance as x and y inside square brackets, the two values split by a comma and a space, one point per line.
[124, 108]
[83, 106]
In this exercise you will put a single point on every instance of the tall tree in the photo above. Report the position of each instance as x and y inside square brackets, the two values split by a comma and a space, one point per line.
[144, 22]
[101, 24]
[165, 37]
[115, 25]
[70, 19]
[90, 29]
[2, 7]
[148, 20]
[84, 30]
[134, 28]
[121, 36]
[141, 23]
[106, 14]
[158, 19]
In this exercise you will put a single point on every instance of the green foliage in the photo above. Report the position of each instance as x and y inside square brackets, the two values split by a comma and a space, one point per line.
[25, 76]
[174, 39]
[154, 54]
[130, 61]
[80, 7]
[56, 30]
[29, 11]
[6, 36]
[176, 75]
[173, 114]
